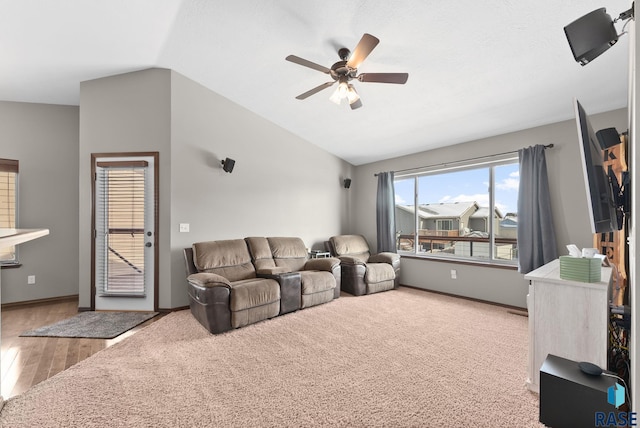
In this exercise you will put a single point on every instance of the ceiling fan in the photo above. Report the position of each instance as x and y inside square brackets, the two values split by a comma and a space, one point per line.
[346, 70]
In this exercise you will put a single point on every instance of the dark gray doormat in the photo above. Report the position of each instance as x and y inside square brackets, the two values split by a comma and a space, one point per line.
[93, 325]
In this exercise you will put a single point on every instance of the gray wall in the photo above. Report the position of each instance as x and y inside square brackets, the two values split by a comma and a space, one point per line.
[125, 113]
[44, 139]
[281, 184]
[567, 193]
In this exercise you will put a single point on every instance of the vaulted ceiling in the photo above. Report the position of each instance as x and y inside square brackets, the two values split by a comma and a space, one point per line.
[476, 68]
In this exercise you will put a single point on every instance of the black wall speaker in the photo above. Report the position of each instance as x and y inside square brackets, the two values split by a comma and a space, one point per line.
[347, 183]
[228, 164]
[608, 137]
[591, 35]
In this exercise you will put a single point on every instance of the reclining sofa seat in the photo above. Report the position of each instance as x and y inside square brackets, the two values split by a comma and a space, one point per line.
[362, 272]
[319, 278]
[224, 292]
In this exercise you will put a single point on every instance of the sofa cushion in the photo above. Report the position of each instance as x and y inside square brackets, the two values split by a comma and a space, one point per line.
[351, 245]
[255, 292]
[316, 281]
[260, 252]
[379, 272]
[289, 252]
[227, 258]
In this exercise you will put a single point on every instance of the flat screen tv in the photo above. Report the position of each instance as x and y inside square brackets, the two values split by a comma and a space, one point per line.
[601, 202]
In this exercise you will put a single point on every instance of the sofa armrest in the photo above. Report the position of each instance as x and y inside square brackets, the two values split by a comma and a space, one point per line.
[327, 264]
[350, 260]
[206, 280]
[290, 289]
[276, 270]
[390, 258]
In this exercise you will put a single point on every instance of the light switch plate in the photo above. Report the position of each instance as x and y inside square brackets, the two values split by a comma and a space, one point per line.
[184, 227]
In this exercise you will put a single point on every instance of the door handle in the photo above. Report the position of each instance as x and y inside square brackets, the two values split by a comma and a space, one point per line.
[148, 244]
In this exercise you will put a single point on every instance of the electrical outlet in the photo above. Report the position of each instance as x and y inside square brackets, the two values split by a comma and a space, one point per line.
[31, 279]
[184, 227]
[454, 274]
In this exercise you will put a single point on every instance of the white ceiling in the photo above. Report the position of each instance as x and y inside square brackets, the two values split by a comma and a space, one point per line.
[476, 68]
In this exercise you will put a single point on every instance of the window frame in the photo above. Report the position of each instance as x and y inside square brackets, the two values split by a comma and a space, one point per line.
[120, 186]
[441, 169]
[441, 221]
[12, 166]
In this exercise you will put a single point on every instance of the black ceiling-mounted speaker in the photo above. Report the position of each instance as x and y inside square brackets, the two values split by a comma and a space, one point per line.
[608, 137]
[228, 164]
[591, 35]
[347, 183]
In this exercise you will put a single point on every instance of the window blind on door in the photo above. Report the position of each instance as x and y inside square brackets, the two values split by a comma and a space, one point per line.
[120, 228]
[8, 204]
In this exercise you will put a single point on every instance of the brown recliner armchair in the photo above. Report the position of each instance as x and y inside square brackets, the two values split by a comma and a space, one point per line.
[362, 272]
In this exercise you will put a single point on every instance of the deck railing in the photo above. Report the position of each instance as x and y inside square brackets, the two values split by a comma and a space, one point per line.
[446, 245]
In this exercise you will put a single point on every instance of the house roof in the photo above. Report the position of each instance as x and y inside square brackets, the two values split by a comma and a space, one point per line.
[476, 69]
[449, 210]
[483, 212]
[510, 222]
[441, 210]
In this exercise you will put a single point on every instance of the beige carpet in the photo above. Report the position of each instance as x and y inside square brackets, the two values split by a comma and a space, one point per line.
[402, 358]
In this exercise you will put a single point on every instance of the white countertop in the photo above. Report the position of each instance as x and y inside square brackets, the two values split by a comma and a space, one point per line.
[550, 273]
[10, 237]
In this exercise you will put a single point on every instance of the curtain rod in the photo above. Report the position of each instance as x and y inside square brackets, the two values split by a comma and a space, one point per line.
[547, 146]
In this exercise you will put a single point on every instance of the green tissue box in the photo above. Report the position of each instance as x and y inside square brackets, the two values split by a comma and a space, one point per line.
[580, 269]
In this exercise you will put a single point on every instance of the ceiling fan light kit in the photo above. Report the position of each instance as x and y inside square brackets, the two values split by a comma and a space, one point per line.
[344, 90]
[352, 95]
[346, 70]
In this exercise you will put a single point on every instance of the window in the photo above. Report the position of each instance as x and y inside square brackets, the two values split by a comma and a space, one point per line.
[444, 224]
[461, 212]
[8, 205]
[120, 222]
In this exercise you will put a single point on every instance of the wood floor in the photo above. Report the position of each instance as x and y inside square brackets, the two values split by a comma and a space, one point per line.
[27, 361]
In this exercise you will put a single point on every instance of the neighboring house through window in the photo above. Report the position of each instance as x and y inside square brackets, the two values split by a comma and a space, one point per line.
[8, 205]
[467, 211]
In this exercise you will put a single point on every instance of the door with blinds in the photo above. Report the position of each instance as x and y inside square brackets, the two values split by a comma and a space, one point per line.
[125, 233]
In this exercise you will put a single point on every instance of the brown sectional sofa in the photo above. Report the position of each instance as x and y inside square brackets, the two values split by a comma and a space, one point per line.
[233, 283]
[319, 278]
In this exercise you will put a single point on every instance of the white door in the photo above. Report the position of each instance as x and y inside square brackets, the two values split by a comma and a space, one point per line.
[124, 233]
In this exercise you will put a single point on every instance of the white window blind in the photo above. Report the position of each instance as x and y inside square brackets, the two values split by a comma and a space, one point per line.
[8, 204]
[120, 228]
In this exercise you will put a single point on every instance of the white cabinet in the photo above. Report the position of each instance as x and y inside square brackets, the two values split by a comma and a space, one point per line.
[566, 318]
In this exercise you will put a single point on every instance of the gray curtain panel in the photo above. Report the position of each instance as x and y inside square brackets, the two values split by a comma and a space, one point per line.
[536, 235]
[386, 213]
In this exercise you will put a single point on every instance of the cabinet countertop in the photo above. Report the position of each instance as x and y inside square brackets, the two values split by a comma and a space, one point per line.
[550, 273]
[10, 237]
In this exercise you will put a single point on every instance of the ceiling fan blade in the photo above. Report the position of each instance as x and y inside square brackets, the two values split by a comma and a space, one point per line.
[400, 78]
[362, 50]
[306, 63]
[356, 104]
[314, 90]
